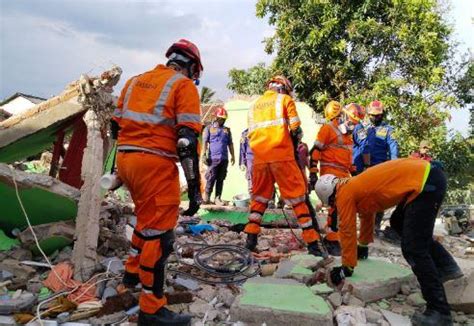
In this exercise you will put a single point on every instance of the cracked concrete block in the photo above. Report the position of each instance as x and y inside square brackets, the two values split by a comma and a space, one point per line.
[460, 292]
[373, 279]
[280, 302]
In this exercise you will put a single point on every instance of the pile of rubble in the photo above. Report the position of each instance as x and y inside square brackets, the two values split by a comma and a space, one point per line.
[383, 291]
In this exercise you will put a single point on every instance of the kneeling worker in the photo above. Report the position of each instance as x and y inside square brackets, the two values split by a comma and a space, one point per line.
[418, 188]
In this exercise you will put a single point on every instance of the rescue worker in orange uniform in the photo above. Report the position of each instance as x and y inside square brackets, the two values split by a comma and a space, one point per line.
[272, 121]
[333, 151]
[158, 120]
[417, 188]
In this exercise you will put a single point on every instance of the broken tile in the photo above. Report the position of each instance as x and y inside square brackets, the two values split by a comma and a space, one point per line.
[395, 319]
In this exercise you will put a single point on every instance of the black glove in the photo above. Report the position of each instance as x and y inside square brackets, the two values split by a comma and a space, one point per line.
[362, 252]
[334, 221]
[338, 274]
[192, 209]
[313, 178]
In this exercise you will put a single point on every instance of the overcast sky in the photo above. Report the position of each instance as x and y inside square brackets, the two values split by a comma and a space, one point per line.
[46, 44]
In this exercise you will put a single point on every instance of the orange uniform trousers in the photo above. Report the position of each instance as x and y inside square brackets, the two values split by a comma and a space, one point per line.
[330, 234]
[153, 182]
[290, 181]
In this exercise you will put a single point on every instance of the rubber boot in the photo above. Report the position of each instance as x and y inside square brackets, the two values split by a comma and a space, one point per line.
[163, 317]
[314, 248]
[130, 280]
[251, 243]
[431, 318]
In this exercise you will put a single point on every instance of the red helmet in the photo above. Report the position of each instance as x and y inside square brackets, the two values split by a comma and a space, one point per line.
[282, 81]
[189, 49]
[375, 107]
[354, 112]
[221, 113]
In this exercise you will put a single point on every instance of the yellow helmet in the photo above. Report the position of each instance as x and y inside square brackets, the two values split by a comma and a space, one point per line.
[332, 110]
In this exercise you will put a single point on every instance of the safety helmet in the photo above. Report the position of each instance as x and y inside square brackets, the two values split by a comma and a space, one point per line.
[375, 108]
[221, 113]
[280, 80]
[354, 113]
[325, 187]
[332, 110]
[189, 49]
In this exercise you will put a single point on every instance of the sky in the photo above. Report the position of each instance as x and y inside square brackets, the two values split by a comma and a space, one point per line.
[45, 44]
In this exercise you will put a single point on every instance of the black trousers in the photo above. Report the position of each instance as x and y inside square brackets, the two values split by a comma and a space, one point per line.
[216, 174]
[428, 259]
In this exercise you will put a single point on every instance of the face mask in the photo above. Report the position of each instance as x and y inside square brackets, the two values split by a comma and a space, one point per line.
[376, 119]
[342, 128]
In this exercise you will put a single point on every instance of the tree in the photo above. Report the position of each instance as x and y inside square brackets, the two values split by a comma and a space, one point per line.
[398, 51]
[206, 95]
[251, 81]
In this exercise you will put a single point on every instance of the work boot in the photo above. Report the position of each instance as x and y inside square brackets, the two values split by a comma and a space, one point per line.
[431, 318]
[333, 247]
[251, 243]
[130, 280]
[314, 248]
[163, 317]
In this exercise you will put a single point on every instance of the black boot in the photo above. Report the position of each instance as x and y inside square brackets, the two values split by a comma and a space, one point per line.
[431, 318]
[333, 247]
[314, 248]
[130, 280]
[251, 243]
[163, 317]
[451, 275]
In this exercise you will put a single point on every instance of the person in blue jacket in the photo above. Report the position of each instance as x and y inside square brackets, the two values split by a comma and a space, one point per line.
[217, 140]
[246, 158]
[378, 143]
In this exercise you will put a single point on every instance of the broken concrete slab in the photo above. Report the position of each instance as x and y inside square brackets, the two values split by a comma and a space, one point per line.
[44, 198]
[373, 279]
[348, 316]
[51, 237]
[460, 292]
[11, 304]
[321, 289]
[280, 302]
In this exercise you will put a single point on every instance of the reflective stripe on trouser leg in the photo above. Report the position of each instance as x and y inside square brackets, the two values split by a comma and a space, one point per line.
[152, 272]
[253, 226]
[309, 234]
[133, 261]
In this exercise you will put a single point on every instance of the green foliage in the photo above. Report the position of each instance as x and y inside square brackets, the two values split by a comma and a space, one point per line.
[251, 81]
[206, 95]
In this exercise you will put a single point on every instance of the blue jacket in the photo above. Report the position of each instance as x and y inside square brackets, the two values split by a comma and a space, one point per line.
[359, 137]
[246, 154]
[379, 143]
[219, 139]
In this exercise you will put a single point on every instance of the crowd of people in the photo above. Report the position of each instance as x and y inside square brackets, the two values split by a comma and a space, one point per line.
[353, 168]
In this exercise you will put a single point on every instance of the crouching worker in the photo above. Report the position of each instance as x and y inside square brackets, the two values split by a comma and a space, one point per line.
[418, 188]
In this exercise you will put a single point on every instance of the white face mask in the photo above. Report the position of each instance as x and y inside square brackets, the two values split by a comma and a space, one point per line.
[342, 128]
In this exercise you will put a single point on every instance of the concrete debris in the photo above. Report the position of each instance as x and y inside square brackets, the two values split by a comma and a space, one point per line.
[396, 319]
[460, 292]
[416, 299]
[350, 316]
[335, 299]
[117, 303]
[5, 276]
[373, 316]
[19, 301]
[21, 273]
[113, 265]
[280, 302]
[179, 297]
[187, 283]
[51, 236]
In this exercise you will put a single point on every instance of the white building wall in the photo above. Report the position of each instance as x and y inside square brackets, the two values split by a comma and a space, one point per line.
[18, 105]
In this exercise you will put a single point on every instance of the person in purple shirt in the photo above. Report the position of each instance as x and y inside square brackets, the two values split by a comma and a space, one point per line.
[217, 139]
[246, 158]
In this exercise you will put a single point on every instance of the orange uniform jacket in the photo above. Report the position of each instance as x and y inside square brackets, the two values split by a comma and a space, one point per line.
[268, 121]
[333, 150]
[378, 188]
[151, 108]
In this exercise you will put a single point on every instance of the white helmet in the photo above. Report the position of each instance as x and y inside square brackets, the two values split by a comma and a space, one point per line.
[325, 187]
